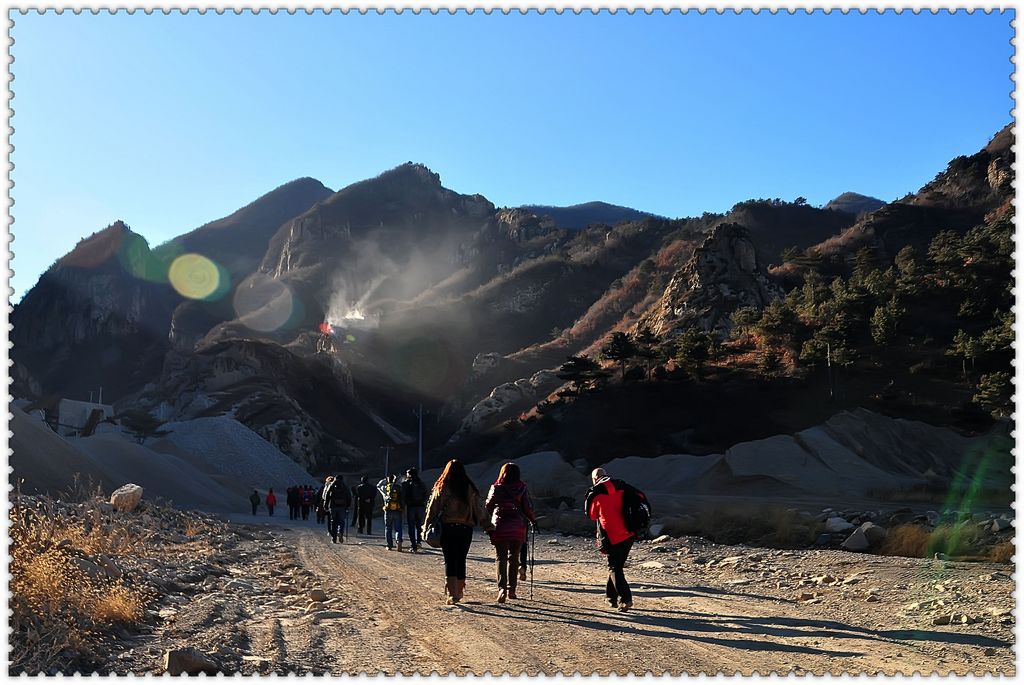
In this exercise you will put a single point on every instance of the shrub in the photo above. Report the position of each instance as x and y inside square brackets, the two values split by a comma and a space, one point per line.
[1002, 553]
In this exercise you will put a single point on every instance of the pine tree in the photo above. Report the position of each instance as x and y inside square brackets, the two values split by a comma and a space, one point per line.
[620, 348]
[693, 348]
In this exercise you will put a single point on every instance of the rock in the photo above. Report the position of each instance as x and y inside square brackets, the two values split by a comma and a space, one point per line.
[837, 524]
[109, 567]
[868, 535]
[998, 525]
[655, 530]
[314, 607]
[874, 598]
[328, 614]
[730, 561]
[806, 596]
[661, 549]
[237, 584]
[317, 595]
[661, 539]
[189, 661]
[126, 497]
[87, 567]
[652, 564]
[554, 541]
[990, 651]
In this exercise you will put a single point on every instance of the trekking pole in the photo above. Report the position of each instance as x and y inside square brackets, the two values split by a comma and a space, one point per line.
[533, 557]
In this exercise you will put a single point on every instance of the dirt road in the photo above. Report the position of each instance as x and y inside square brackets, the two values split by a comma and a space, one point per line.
[699, 608]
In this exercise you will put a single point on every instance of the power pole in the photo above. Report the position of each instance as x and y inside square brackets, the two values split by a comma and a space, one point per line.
[828, 363]
[420, 451]
[387, 458]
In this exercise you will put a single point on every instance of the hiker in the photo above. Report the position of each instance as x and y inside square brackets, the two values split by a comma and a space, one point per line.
[365, 497]
[271, 501]
[509, 508]
[392, 494]
[339, 499]
[293, 500]
[318, 504]
[456, 504]
[607, 503]
[414, 496]
[306, 500]
[355, 505]
[254, 498]
[325, 504]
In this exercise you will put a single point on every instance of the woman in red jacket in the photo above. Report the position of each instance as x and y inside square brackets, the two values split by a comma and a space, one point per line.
[271, 501]
[508, 506]
[604, 505]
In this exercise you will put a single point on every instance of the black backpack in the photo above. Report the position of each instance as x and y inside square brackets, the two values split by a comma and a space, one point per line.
[636, 509]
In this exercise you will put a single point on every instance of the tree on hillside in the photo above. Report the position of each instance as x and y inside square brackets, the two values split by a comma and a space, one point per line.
[994, 393]
[141, 424]
[965, 347]
[620, 348]
[582, 372]
[884, 322]
[693, 348]
[646, 346]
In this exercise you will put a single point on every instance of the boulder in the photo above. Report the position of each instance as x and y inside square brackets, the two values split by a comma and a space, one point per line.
[317, 595]
[87, 567]
[126, 497]
[837, 524]
[660, 539]
[189, 661]
[109, 567]
[866, 536]
[999, 524]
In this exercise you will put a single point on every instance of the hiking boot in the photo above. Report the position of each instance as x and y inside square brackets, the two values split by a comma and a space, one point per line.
[334, 539]
[502, 596]
[625, 606]
[461, 587]
[613, 602]
[522, 573]
[399, 545]
[512, 594]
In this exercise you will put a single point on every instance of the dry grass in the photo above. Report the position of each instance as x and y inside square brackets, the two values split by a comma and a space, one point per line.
[954, 540]
[1002, 553]
[61, 606]
[772, 527]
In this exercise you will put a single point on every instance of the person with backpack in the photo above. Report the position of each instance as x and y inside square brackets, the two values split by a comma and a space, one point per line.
[621, 512]
[318, 504]
[271, 501]
[306, 500]
[254, 499]
[294, 501]
[338, 499]
[414, 496]
[391, 491]
[365, 496]
[456, 504]
[509, 508]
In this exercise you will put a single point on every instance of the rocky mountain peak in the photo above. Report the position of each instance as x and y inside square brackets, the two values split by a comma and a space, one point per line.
[723, 274]
[854, 203]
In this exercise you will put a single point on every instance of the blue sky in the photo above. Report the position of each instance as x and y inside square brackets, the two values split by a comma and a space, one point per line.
[168, 122]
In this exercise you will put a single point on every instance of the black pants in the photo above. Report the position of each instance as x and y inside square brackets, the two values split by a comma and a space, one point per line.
[523, 553]
[338, 516]
[455, 542]
[618, 588]
[305, 512]
[254, 509]
[270, 509]
[366, 518]
[508, 564]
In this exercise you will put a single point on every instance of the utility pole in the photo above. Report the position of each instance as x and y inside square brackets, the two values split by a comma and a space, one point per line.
[387, 458]
[420, 451]
[828, 363]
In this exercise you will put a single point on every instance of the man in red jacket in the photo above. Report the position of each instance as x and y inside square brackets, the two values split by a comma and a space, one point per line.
[604, 505]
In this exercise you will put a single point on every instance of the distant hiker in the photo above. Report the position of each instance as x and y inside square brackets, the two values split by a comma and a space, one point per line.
[456, 504]
[355, 505]
[306, 500]
[617, 507]
[414, 496]
[339, 499]
[366, 494]
[294, 502]
[318, 504]
[391, 491]
[254, 498]
[271, 501]
[509, 508]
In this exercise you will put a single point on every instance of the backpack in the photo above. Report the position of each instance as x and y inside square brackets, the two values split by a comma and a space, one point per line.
[636, 509]
[416, 493]
[391, 497]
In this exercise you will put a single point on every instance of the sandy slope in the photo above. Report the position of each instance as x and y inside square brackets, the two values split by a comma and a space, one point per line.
[700, 611]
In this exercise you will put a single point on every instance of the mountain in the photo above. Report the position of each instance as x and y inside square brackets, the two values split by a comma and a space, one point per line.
[329, 315]
[583, 215]
[854, 203]
[106, 312]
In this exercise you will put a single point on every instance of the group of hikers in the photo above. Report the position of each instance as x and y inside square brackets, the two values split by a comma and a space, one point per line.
[446, 515]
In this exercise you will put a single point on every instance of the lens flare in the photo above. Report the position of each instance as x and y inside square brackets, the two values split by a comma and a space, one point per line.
[263, 304]
[144, 263]
[197, 277]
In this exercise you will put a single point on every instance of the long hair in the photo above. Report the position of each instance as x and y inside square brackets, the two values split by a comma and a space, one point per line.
[455, 477]
[509, 473]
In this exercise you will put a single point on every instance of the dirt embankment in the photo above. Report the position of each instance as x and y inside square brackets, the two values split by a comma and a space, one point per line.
[287, 600]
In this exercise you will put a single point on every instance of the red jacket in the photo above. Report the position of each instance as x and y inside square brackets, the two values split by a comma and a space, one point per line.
[606, 509]
[271, 499]
[509, 506]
